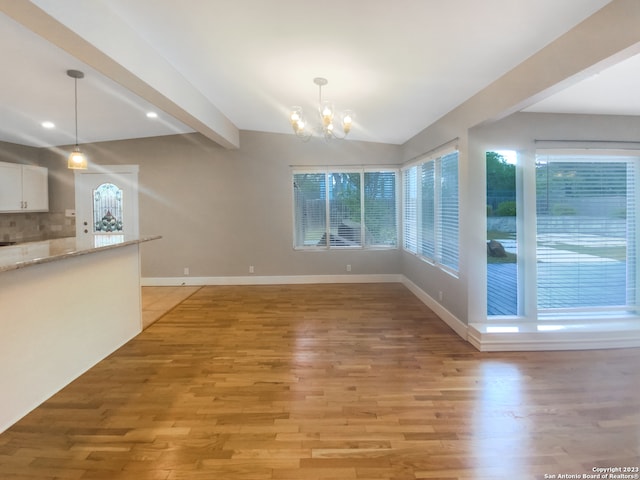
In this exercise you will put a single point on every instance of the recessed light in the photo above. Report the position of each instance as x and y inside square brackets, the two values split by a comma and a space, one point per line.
[48, 124]
[152, 115]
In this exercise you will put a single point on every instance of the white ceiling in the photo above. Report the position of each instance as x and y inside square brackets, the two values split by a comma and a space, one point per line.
[399, 64]
[614, 91]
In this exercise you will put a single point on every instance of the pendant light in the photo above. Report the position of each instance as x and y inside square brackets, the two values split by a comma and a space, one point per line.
[77, 159]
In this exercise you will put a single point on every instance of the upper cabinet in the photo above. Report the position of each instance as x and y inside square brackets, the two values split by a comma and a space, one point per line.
[35, 188]
[23, 188]
[10, 187]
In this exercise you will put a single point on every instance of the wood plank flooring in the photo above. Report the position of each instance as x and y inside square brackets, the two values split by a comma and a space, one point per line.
[328, 382]
[156, 301]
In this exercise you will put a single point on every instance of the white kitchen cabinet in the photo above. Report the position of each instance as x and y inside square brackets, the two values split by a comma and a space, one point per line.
[10, 187]
[23, 188]
[35, 188]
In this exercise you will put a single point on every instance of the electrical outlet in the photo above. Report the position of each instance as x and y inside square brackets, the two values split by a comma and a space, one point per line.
[440, 296]
[348, 268]
[251, 269]
[186, 270]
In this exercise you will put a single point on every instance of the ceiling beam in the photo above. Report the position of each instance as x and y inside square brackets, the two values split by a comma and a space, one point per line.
[93, 34]
[607, 37]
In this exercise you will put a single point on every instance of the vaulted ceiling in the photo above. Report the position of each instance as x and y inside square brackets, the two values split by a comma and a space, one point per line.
[220, 66]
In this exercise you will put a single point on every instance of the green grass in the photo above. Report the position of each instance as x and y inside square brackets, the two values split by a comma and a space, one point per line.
[496, 235]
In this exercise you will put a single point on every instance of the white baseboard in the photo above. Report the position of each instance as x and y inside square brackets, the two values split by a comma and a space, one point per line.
[574, 336]
[268, 280]
[445, 315]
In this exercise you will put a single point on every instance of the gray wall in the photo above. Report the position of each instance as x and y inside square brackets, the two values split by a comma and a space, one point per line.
[220, 211]
[12, 153]
[556, 66]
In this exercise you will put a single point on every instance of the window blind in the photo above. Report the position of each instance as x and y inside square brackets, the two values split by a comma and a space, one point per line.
[430, 210]
[380, 208]
[310, 207]
[448, 209]
[345, 208]
[410, 209]
[586, 231]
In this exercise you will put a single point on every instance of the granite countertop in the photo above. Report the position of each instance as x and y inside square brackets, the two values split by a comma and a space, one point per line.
[24, 255]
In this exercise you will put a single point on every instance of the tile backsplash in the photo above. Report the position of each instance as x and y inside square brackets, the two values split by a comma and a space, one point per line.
[32, 227]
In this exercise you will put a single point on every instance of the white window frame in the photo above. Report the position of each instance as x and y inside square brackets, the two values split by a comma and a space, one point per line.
[532, 275]
[415, 231]
[327, 172]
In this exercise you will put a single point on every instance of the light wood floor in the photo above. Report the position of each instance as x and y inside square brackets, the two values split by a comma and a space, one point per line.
[156, 301]
[328, 382]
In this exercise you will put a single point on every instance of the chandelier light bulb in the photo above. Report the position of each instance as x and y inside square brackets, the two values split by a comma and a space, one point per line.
[347, 121]
[326, 112]
[296, 120]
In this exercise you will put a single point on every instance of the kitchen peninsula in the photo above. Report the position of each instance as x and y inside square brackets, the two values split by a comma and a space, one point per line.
[65, 304]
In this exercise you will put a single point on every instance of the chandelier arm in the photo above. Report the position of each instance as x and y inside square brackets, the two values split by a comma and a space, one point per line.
[333, 134]
[304, 136]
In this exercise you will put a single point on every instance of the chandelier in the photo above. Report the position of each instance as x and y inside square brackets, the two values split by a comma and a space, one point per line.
[327, 115]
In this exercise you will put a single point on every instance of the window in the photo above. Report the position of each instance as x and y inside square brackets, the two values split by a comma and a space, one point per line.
[586, 231]
[107, 208]
[430, 210]
[502, 235]
[345, 208]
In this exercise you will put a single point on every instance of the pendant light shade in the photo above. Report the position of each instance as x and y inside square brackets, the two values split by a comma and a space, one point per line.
[77, 160]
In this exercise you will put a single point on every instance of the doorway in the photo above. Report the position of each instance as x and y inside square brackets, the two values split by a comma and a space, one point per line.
[106, 199]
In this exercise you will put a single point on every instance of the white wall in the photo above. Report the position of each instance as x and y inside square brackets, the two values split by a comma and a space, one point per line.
[60, 318]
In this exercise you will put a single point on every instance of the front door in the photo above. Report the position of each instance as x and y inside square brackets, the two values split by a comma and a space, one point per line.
[106, 201]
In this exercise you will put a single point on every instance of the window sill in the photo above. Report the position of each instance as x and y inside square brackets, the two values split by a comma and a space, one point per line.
[574, 335]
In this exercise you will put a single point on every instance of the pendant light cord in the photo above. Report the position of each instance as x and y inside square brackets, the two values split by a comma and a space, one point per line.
[75, 74]
[75, 81]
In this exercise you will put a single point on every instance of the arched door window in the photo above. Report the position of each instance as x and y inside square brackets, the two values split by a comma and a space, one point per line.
[107, 209]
